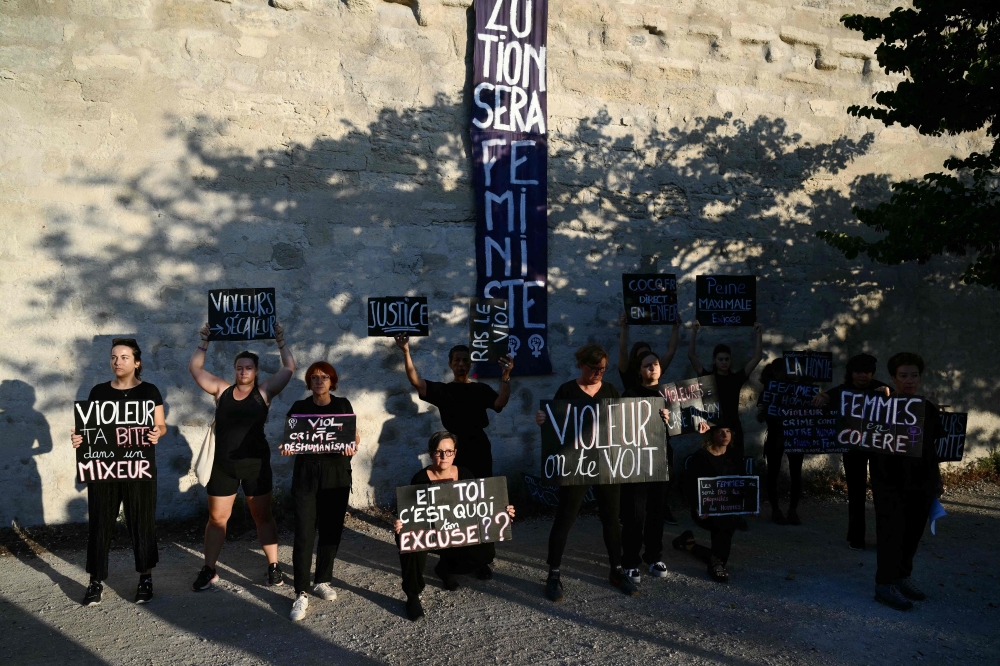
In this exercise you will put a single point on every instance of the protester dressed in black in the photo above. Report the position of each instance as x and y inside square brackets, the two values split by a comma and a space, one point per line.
[904, 488]
[710, 461]
[593, 363]
[104, 498]
[462, 560]
[728, 382]
[774, 450]
[321, 488]
[242, 455]
[859, 377]
[463, 404]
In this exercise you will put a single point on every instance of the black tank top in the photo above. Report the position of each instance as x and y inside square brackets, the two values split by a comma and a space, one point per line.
[239, 427]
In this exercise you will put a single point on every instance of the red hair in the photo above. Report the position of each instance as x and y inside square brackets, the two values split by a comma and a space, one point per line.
[324, 367]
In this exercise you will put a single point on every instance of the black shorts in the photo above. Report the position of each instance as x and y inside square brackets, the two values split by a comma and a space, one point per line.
[253, 474]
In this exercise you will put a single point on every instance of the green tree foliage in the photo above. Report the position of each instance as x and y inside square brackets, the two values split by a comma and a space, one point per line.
[949, 50]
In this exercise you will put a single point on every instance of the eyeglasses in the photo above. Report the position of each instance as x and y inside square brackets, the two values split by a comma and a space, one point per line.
[444, 453]
[319, 378]
[597, 369]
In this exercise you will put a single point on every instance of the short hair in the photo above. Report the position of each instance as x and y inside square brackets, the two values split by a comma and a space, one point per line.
[322, 366]
[642, 357]
[136, 352]
[437, 438]
[636, 352]
[457, 348]
[772, 371]
[590, 354]
[721, 349]
[860, 363]
[905, 358]
[247, 354]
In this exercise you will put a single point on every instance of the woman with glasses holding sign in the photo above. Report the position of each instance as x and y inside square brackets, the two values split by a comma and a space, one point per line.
[593, 363]
[138, 497]
[321, 487]
[242, 455]
[442, 448]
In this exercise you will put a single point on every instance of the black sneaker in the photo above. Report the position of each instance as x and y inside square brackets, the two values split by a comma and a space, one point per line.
[554, 589]
[274, 575]
[414, 610]
[668, 516]
[856, 545]
[910, 589]
[620, 579]
[144, 593]
[892, 597]
[94, 592]
[793, 517]
[206, 578]
[485, 573]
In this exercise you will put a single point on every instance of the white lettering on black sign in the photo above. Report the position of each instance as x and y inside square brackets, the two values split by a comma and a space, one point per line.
[951, 444]
[489, 330]
[318, 433]
[778, 394]
[728, 496]
[809, 366]
[650, 299]
[891, 424]
[690, 402]
[453, 514]
[809, 429]
[115, 446]
[398, 315]
[726, 300]
[241, 314]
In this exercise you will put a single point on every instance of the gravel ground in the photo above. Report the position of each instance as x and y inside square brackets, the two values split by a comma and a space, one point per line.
[796, 595]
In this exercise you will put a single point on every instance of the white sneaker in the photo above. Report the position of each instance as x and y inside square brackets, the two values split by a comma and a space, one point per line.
[658, 569]
[325, 591]
[634, 575]
[299, 608]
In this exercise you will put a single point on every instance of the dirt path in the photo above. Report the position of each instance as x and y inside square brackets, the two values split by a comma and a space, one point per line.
[796, 596]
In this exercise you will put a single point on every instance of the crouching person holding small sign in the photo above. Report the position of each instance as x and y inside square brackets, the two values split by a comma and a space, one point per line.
[123, 419]
[456, 558]
[321, 483]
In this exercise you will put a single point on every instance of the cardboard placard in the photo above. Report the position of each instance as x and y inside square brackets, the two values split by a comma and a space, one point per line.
[609, 441]
[318, 433]
[389, 316]
[114, 446]
[690, 403]
[872, 421]
[650, 298]
[453, 514]
[489, 329]
[728, 496]
[778, 394]
[809, 366]
[810, 430]
[241, 314]
[951, 444]
[726, 300]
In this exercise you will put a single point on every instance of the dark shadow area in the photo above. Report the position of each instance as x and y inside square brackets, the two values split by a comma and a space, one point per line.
[24, 435]
[31, 642]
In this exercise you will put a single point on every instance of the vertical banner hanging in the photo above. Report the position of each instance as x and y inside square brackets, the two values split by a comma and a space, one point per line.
[510, 169]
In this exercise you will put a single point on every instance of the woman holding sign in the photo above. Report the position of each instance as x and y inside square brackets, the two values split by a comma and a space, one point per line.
[728, 382]
[321, 486]
[138, 497]
[442, 448]
[242, 456]
[593, 363]
[774, 449]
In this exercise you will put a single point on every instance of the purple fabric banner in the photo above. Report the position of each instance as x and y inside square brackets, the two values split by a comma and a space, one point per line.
[510, 170]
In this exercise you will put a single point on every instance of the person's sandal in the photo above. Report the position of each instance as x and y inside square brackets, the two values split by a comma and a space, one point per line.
[684, 541]
[718, 572]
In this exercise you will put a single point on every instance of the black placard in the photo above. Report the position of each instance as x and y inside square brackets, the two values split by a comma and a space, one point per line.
[389, 316]
[650, 298]
[728, 496]
[777, 394]
[453, 514]
[951, 444]
[241, 314]
[489, 329]
[892, 425]
[114, 446]
[318, 433]
[809, 366]
[809, 429]
[726, 300]
[607, 441]
[690, 403]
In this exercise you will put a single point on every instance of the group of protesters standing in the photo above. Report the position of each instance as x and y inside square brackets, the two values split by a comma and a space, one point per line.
[632, 515]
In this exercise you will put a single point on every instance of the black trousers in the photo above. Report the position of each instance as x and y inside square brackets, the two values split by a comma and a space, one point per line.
[103, 501]
[722, 529]
[641, 516]
[773, 455]
[900, 518]
[454, 562]
[856, 475]
[316, 510]
[608, 507]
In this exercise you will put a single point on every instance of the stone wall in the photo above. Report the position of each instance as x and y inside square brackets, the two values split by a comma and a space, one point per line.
[151, 149]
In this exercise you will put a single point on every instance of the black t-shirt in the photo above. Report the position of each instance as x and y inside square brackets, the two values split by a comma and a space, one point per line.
[704, 465]
[421, 477]
[572, 391]
[630, 378]
[335, 467]
[463, 412]
[728, 387]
